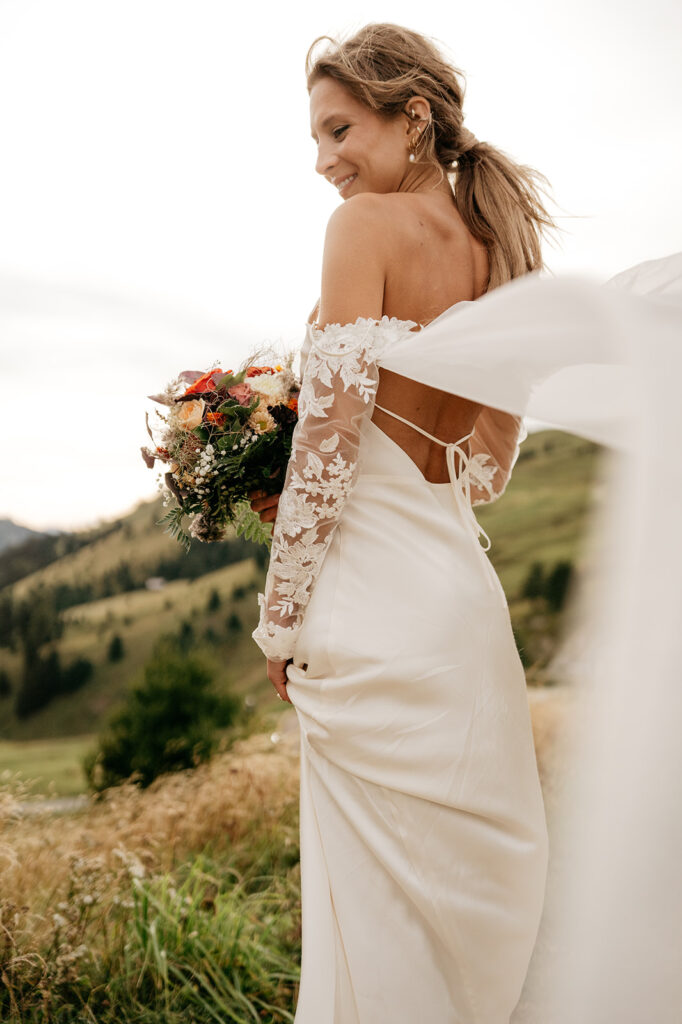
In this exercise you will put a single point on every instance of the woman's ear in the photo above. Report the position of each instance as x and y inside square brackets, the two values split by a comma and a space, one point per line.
[421, 107]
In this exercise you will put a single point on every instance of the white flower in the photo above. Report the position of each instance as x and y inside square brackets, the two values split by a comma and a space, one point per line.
[271, 386]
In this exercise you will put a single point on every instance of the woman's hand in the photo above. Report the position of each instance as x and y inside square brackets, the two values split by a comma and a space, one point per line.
[265, 505]
[278, 677]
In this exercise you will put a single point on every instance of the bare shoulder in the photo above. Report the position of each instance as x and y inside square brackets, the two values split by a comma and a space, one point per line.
[363, 218]
[354, 261]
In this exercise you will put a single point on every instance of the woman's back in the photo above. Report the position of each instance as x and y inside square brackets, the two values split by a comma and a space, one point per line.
[435, 260]
[434, 263]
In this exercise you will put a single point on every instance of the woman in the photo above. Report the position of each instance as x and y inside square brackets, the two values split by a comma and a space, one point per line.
[423, 837]
[423, 833]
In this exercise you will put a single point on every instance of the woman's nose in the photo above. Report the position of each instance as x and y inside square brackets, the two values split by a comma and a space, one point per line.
[325, 162]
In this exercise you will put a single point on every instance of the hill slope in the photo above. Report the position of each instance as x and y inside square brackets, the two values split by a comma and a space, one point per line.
[540, 518]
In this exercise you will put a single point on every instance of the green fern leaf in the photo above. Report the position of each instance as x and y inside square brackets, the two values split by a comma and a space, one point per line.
[247, 524]
[172, 520]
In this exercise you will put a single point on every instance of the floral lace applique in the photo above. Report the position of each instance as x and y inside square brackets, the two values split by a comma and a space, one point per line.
[481, 477]
[338, 391]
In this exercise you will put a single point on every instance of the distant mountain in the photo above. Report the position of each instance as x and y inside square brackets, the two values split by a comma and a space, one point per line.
[12, 534]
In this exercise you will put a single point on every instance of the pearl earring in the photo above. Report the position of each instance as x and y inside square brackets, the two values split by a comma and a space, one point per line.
[412, 157]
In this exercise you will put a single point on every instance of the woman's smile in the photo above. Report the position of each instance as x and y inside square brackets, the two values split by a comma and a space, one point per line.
[345, 182]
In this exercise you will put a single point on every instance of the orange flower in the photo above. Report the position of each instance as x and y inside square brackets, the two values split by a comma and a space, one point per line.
[293, 404]
[253, 371]
[164, 451]
[216, 417]
[205, 383]
[190, 414]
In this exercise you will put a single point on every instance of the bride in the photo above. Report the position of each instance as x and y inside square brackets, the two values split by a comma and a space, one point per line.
[424, 844]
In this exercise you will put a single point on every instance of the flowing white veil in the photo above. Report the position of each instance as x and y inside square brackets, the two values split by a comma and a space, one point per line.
[603, 362]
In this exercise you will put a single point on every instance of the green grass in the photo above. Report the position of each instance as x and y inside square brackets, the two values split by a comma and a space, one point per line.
[54, 764]
[145, 910]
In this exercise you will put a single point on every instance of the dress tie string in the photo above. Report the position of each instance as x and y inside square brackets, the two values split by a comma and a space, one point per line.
[461, 485]
[463, 494]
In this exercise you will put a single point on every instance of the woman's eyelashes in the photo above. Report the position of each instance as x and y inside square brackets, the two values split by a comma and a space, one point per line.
[338, 132]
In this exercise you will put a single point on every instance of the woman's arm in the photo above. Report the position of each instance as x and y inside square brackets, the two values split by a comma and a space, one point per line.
[338, 389]
[343, 285]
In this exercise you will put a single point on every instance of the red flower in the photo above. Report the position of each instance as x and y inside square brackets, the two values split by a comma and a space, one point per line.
[205, 383]
[254, 371]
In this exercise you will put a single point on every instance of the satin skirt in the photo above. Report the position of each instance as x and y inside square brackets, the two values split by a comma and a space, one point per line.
[424, 843]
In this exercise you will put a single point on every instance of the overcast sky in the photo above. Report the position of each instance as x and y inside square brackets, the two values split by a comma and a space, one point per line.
[159, 207]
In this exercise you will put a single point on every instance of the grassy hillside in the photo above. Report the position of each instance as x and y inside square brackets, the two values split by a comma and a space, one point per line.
[540, 518]
[543, 514]
[138, 618]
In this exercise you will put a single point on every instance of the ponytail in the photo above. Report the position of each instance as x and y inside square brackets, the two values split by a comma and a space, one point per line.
[500, 203]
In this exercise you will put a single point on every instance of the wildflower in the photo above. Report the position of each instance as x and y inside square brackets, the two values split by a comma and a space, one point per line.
[260, 419]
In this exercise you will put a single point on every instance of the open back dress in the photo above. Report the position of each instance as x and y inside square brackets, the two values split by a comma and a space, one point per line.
[424, 844]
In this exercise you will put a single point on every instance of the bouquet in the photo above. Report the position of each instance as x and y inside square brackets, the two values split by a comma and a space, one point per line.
[224, 435]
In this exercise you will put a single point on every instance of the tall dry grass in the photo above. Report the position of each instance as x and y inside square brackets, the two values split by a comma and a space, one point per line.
[180, 902]
[172, 898]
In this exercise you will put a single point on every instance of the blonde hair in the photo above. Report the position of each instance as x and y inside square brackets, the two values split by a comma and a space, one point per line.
[384, 66]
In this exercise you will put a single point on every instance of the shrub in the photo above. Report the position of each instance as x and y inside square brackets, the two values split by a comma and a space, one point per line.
[75, 675]
[233, 623]
[5, 683]
[534, 585]
[186, 637]
[557, 584]
[116, 650]
[44, 678]
[166, 724]
[40, 682]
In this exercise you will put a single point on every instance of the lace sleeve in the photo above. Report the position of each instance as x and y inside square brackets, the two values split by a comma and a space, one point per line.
[495, 448]
[338, 390]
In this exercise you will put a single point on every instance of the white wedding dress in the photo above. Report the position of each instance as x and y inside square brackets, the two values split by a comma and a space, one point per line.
[424, 845]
